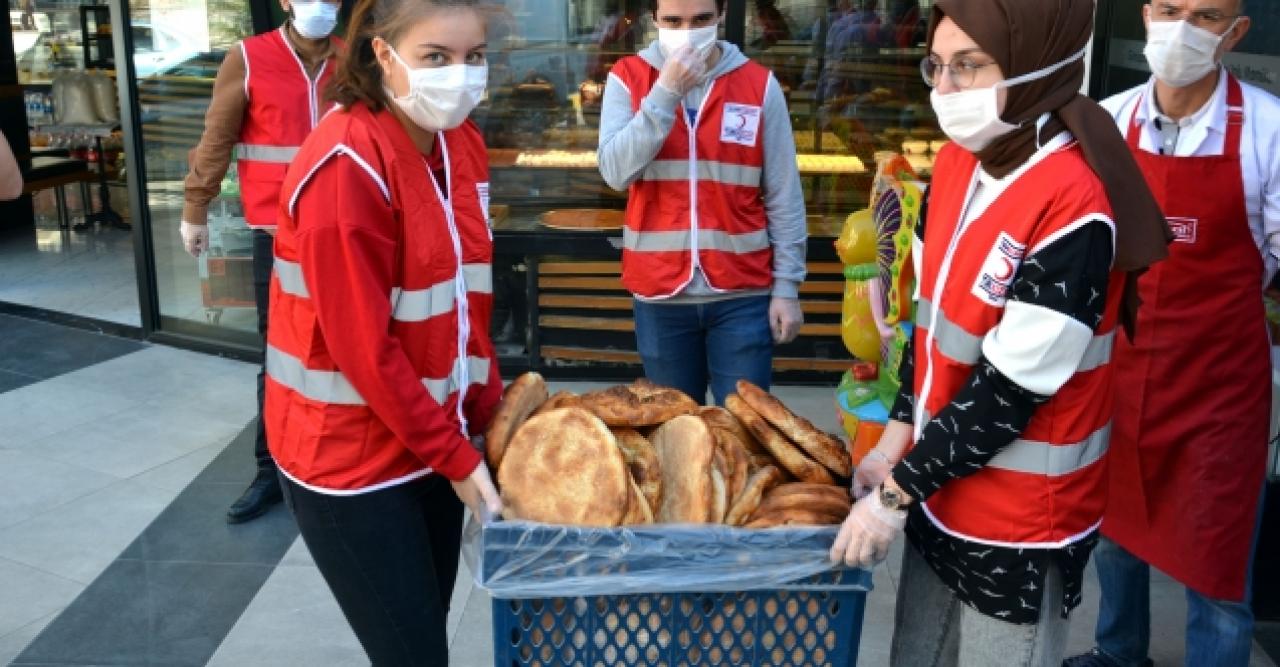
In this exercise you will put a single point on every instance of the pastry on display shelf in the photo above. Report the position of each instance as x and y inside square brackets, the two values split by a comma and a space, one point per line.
[557, 158]
[830, 164]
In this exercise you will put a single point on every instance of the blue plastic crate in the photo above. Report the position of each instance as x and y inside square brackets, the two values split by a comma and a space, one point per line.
[809, 622]
[800, 628]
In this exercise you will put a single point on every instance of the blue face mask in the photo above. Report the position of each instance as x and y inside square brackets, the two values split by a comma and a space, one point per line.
[314, 19]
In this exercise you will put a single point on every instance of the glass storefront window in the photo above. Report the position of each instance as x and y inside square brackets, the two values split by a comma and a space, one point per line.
[178, 47]
[850, 69]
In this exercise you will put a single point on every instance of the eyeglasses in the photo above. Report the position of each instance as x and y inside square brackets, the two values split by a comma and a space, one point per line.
[962, 72]
[1201, 18]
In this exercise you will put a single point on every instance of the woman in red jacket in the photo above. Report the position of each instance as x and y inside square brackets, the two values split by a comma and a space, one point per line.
[379, 364]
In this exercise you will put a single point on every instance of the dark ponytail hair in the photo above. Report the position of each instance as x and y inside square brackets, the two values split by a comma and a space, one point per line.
[358, 77]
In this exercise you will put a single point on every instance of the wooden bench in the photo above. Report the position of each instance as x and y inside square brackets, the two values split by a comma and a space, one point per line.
[585, 316]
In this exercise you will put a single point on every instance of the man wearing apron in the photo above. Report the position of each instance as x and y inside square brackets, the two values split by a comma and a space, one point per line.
[1193, 401]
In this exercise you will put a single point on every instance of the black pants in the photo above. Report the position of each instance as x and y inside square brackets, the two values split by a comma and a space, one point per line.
[263, 258]
[390, 557]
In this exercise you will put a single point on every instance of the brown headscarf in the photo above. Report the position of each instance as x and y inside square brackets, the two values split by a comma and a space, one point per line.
[1024, 36]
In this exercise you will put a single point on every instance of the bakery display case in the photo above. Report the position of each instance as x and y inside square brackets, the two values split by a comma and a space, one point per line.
[560, 307]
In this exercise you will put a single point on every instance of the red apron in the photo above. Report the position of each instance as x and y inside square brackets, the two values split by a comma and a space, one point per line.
[1193, 400]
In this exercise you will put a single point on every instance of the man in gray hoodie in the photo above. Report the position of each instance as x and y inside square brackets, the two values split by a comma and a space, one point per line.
[714, 245]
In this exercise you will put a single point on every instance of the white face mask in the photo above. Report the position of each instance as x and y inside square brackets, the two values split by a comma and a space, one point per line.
[971, 118]
[701, 39]
[441, 98]
[1181, 54]
[314, 20]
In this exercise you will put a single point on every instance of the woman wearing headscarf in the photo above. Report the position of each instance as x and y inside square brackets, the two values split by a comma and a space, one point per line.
[1036, 223]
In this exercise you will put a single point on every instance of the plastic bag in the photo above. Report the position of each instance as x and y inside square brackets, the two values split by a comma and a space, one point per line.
[104, 97]
[521, 559]
[74, 99]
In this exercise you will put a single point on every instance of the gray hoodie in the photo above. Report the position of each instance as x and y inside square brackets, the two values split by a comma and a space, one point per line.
[629, 142]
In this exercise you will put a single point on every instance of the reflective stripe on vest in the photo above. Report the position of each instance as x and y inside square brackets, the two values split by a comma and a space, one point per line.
[263, 153]
[423, 304]
[708, 239]
[334, 388]
[407, 305]
[963, 347]
[1043, 458]
[708, 170]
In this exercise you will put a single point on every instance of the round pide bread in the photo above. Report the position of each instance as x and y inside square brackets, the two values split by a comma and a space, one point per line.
[639, 405]
[782, 449]
[524, 395]
[819, 446]
[685, 449]
[564, 467]
[642, 461]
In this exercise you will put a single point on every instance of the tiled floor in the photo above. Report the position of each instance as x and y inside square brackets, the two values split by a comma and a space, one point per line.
[113, 549]
[49, 268]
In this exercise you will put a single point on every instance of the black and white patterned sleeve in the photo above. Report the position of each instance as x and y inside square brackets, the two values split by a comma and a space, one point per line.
[1056, 303]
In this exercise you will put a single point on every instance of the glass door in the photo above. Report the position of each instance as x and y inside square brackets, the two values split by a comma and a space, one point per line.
[178, 46]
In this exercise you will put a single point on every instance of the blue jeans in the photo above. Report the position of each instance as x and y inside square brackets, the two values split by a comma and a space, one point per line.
[1219, 632]
[685, 345]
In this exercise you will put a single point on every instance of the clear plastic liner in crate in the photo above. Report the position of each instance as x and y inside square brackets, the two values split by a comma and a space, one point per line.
[521, 559]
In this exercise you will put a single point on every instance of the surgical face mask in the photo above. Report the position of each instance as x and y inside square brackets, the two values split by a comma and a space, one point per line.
[701, 39]
[971, 118]
[1181, 54]
[315, 19]
[441, 98]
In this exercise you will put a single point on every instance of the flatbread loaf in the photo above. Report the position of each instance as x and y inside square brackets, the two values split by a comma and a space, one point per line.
[738, 459]
[565, 467]
[746, 503]
[561, 399]
[519, 400]
[685, 449]
[720, 418]
[806, 488]
[638, 511]
[820, 446]
[638, 405]
[809, 500]
[794, 517]
[719, 496]
[782, 449]
[642, 461]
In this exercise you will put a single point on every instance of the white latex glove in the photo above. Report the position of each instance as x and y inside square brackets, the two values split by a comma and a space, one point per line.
[865, 536]
[871, 471]
[479, 493]
[683, 70]
[195, 238]
[785, 319]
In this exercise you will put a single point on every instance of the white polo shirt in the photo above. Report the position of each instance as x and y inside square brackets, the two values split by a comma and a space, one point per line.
[1204, 133]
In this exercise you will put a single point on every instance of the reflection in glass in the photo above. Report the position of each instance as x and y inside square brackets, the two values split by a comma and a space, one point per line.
[178, 47]
[851, 73]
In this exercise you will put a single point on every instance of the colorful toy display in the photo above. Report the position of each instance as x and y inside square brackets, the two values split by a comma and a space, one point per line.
[875, 246]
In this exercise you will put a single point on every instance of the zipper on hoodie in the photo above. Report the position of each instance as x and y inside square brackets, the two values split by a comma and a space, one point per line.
[693, 177]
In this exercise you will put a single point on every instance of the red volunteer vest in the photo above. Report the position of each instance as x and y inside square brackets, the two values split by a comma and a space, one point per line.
[698, 203]
[1194, 406]
[319, 430]
[1047, 488]
[284, 106]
